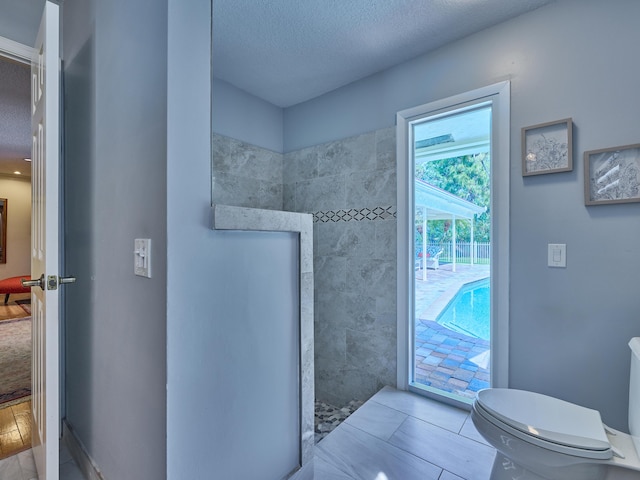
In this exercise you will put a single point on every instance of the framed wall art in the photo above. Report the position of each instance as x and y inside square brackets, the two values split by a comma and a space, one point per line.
[547, 148]
[612, 175]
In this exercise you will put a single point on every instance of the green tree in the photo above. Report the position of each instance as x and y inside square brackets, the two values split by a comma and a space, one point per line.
[467, 177]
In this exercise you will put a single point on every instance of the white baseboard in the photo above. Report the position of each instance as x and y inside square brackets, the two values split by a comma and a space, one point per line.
[86, 464]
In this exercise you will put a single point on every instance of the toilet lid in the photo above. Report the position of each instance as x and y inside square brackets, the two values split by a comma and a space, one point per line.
[546, 418]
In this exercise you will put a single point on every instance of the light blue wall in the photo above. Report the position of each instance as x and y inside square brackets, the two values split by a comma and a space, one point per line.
[191, 252]
[242, 116]
[115, 191]
[20, 20]
[569, 328]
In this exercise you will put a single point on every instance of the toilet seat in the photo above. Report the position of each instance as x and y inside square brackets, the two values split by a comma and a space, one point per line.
[545, 421]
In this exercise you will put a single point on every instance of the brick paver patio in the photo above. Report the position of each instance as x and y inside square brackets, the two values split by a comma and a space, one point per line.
[445, 359]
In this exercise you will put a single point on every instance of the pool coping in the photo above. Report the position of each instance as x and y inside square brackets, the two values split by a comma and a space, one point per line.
[432, 311]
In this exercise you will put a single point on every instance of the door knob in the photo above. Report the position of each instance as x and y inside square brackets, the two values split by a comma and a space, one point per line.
[34, 283]
[51, 283]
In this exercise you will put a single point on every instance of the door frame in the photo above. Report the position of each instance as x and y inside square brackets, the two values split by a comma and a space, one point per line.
[15, 51]
[499, 95]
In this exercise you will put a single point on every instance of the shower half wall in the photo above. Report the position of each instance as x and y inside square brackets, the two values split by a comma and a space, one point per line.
[264, 341]
[349, 186]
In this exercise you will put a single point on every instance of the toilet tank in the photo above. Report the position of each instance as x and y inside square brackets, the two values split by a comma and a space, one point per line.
[634, 393]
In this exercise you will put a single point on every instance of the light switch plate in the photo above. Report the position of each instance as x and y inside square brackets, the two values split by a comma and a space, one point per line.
[557, 255]
[142, 257]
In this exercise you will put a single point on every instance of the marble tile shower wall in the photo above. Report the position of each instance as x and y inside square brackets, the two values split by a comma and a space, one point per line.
[244, 175]
[350, 187]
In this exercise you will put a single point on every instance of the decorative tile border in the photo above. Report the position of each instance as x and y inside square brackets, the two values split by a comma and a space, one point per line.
[355, 214]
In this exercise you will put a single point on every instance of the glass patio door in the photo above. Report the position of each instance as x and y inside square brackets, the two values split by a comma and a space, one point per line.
[453, 304]
[452, 217]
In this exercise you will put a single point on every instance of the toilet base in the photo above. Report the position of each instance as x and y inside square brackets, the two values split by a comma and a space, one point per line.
[616, 473]
[520, 460]
[506, 469]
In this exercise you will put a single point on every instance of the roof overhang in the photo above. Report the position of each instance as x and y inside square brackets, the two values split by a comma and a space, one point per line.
[442, 205]
[444, 151]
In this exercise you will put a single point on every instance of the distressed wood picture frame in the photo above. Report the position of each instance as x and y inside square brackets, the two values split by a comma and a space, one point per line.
[612, 175]
[547, 148]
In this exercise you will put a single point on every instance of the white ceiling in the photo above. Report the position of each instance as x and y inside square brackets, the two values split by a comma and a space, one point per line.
[289, 51]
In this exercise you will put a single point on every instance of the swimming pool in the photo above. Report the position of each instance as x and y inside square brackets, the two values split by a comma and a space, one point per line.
[469, 311]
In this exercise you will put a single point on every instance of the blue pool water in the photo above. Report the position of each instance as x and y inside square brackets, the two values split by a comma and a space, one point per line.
[469, 311]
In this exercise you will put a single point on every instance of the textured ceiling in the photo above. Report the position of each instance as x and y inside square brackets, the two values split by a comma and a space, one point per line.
[283, 51]
[289, 51]
[15, 120]
[19, 21]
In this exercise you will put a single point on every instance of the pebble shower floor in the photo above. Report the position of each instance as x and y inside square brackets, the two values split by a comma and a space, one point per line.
[328, 417]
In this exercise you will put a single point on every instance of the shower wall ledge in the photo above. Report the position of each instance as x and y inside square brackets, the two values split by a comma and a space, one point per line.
[227, 217]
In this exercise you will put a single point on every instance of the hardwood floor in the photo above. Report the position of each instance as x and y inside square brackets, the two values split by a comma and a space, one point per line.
[12, 309]
[15, 429]
[15, 420]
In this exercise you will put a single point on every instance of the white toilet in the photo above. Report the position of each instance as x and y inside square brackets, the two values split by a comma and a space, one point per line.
[544, 438]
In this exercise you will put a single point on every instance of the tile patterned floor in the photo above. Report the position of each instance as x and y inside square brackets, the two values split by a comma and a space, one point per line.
[400, 435]
[394, 435]
[22, 466]
[448, 360]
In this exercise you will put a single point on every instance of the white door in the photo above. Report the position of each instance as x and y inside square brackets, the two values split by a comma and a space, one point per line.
[45, 100]
[438, 356]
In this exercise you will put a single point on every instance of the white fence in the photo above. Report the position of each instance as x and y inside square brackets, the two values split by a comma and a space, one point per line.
[479, 252]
